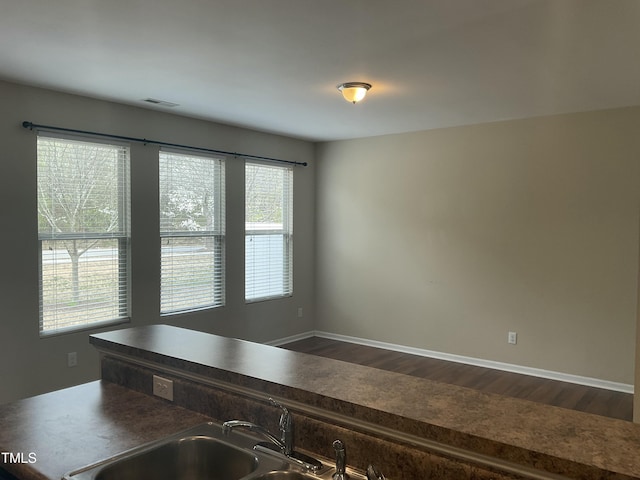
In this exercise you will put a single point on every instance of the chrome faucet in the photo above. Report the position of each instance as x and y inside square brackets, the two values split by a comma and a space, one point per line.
[284, 443]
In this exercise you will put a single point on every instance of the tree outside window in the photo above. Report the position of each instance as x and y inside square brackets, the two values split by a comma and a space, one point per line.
[83, 230]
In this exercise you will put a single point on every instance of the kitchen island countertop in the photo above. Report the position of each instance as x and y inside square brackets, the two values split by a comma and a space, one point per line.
[539, 436]
[81, 425]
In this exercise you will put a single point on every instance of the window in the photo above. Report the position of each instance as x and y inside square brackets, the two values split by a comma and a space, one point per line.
[83, 232]
[268, 231]
[191, 232]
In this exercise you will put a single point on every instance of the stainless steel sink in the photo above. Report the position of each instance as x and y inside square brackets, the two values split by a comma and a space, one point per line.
[200, 453]
[190, 458]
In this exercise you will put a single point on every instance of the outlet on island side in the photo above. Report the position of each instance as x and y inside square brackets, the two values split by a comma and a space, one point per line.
[163, 388]
[512, 338]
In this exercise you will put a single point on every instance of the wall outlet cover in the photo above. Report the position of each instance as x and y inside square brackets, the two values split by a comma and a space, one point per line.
[72, 359]
[163, 387]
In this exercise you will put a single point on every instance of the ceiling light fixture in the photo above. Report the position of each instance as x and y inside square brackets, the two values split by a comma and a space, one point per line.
[354, 91]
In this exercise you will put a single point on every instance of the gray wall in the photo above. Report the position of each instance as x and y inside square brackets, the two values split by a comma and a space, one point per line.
[30, 365]
[447, 239]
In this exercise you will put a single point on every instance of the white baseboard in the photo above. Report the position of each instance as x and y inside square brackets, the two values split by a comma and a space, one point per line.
[292, 338]
[507, 367]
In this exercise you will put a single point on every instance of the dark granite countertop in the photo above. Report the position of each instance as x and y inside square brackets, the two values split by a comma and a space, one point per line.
[81, 425]
[507, 428]
[77, 426]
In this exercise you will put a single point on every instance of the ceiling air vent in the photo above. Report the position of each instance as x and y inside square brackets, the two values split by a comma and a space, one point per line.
[162, 103]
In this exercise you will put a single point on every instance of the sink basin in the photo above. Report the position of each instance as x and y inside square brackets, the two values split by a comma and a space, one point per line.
[190, 458]
[201, 453]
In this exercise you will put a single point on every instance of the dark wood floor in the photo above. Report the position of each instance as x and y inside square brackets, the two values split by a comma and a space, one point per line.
[551, 392]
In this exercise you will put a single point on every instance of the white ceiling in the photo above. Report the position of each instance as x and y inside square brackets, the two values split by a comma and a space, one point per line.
[273, 65]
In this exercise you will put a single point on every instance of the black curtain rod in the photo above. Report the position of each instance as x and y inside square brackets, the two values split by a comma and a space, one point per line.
[31, 126]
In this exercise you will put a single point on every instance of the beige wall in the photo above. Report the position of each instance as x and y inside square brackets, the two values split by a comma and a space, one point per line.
[31, 365]
[447, 239]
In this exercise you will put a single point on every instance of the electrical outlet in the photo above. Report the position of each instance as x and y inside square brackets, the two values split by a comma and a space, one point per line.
[163, 388]
[512, 338]
[72, 359]
[299, 312]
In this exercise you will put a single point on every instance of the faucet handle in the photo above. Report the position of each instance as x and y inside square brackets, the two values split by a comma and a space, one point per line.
[374, 474]
[279, 405]
[286, 421]
[286, 427]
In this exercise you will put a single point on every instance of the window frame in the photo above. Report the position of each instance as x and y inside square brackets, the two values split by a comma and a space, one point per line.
[286, 231]
[217, 233]
[123, 237]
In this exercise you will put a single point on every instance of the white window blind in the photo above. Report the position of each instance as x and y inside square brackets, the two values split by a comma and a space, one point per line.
[268, 231]
[191, 232]
[83, 232]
